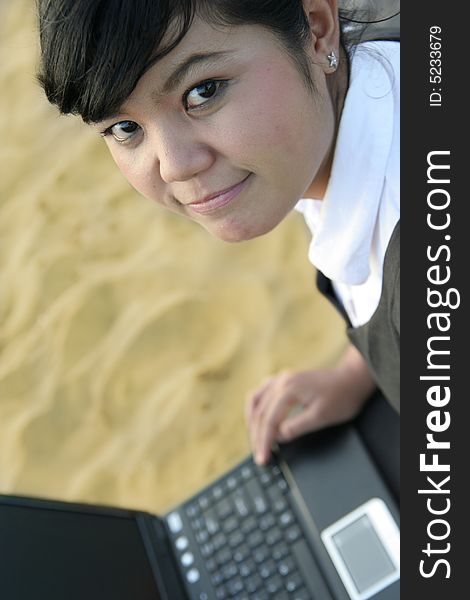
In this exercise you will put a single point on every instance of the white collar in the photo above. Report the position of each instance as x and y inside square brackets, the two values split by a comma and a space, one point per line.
[343, 222]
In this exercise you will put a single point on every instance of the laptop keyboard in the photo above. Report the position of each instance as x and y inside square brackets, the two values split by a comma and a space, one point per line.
[248, 539]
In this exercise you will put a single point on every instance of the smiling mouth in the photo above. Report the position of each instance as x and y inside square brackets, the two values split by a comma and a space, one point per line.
[215, 201]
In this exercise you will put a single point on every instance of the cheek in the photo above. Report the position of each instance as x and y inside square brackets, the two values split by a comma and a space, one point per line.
[274, 119]
[135, 173]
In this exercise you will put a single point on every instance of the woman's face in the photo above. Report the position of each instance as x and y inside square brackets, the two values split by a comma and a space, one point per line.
[225, 131]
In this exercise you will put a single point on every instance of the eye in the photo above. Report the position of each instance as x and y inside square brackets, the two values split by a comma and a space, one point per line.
[122, 131]
[202, 93]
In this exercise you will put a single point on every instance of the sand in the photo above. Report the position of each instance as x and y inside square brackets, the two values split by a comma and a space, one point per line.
[129, 338]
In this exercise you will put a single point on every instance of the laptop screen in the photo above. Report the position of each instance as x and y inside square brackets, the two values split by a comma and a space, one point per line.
[57, 554]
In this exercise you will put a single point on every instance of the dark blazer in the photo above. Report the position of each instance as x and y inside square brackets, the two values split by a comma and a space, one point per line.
[379, 343]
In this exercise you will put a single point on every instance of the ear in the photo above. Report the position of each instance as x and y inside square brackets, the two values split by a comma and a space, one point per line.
[324, 27]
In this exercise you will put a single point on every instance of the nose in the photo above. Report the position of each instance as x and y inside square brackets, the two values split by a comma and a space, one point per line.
[181, 155]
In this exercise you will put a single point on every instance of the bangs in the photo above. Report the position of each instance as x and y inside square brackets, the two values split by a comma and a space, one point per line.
[98, 49]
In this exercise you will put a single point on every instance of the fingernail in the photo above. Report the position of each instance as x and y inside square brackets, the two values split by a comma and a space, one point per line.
[259, 458]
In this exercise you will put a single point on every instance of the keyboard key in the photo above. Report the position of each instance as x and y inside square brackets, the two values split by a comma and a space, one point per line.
[207, 549]
[192, 510]
[267, 569]
[279, 505]
[260, 505]
[230, 524]
[202, 536]
[247, 568]
[187, 559]
[293, 582]
[235, 539]
[211, 522]
[174, 522]
[248, 525]
[182, 543]
[241, 553]
[223, 556]
[231, 483]
[193, 576]
[276, 500]
[253, 583]
[274, 585]
[217, 578]
[293, 533]
[254, 491]
[198, 524]
[286, 566]
[219, 541]
[235, 586]
[221, 593]
[223, 509]
[204, 502]
[217, 492]
[255, 538]
[261, 554]
[279, 551]
[241, 504]
[273, 536]
[229, 571]
[246, 472]
[265, 477]
[286, 518]
[266, 522]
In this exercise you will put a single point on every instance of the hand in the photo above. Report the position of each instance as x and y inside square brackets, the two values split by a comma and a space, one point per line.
[327, 397]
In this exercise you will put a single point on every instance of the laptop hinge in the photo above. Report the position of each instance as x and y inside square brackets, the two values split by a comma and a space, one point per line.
[161, 557]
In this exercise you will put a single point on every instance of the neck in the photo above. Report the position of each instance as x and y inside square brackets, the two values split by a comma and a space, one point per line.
[338, 87]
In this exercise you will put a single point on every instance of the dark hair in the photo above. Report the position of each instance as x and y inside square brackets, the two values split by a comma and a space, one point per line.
[93, 52]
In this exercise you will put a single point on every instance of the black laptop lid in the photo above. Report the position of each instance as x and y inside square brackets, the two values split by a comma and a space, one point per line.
[57, 554]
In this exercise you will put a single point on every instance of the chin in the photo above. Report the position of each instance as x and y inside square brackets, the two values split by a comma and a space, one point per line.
[234, 232]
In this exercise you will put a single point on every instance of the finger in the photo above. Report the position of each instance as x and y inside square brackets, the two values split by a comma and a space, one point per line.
[256, 406]
[254, 398]
[257, 419]
[268, 427]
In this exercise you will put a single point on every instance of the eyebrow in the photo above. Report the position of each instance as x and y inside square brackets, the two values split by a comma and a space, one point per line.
[187, 66]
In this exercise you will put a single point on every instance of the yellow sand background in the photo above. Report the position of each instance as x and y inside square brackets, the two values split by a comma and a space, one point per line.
[128, 337]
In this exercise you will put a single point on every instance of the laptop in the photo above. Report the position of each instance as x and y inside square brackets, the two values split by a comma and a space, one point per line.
[317, 523]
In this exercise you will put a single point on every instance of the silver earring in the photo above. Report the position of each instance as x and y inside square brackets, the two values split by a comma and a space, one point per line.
[332, 60]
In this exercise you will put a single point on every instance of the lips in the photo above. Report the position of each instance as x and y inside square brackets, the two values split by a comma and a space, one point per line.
[217, 200]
